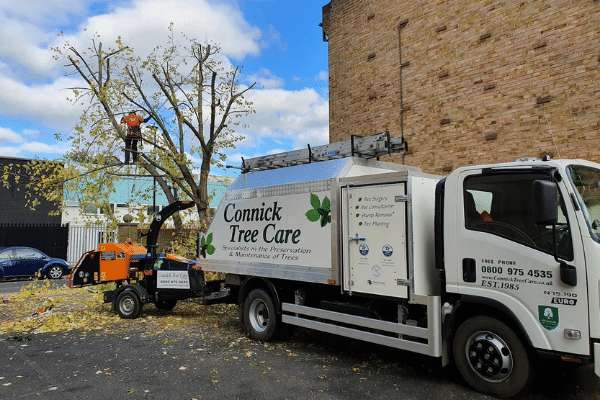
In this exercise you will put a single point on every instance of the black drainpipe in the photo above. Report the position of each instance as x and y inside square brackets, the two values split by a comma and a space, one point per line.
[400, 26]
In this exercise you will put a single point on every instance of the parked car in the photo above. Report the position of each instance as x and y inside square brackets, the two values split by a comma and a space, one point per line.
[19, 261]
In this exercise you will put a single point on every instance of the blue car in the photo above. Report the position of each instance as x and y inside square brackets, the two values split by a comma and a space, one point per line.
[18, 262]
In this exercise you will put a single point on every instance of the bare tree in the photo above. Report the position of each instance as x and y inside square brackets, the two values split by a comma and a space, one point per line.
[195, 104]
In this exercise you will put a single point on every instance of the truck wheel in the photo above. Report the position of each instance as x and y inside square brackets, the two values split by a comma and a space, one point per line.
[128, 305]
[260, 317]
[55, 272]
[166, 305]
[491, 357]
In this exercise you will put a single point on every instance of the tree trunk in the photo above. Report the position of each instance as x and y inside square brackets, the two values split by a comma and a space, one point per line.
[203, 204]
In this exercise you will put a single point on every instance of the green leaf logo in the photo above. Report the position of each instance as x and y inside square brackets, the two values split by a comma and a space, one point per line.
[320, 211]
[313, 215]
[206, 246]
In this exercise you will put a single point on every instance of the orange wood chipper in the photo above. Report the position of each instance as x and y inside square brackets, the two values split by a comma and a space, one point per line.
[143, 275]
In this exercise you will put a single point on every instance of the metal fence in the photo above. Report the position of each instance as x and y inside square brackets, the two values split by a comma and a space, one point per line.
[68, 242]
[51, 239]
[83, 239]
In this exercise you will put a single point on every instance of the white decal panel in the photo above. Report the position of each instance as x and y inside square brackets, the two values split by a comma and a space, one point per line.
[173, 280]
[289, 229]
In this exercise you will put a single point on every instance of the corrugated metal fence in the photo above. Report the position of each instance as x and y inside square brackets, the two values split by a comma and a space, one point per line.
[83, 239]
[52, 239]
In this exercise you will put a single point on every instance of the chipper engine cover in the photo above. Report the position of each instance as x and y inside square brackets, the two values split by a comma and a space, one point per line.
[109, 263]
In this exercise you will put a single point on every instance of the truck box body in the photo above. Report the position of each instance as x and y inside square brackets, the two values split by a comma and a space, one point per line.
[296, 223]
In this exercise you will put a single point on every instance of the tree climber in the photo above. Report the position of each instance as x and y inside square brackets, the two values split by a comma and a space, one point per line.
[134, 134]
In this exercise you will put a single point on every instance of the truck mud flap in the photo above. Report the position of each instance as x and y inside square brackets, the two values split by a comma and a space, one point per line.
[108, 296]
[597, 359]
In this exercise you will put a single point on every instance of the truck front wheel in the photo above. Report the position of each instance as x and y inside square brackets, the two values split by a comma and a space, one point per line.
[491, 357]
[260, 316]
[128, 305]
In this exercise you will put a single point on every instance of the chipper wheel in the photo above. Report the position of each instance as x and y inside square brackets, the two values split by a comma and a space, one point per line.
[128, 305]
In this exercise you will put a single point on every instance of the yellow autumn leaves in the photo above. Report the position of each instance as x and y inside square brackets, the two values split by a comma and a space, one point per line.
[43, 306]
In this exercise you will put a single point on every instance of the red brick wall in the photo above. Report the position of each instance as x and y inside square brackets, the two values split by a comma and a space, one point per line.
[484, 81]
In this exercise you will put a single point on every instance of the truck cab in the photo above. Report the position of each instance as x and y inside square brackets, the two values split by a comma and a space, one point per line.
[505, 260]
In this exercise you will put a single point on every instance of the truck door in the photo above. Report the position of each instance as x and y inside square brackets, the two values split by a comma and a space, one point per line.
[504, 256]
[585, 179]
[374, 239]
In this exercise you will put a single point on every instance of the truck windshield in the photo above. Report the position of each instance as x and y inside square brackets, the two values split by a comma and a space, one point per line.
[586, 181]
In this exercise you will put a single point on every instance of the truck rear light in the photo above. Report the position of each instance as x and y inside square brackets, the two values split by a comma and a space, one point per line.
[571, 359]
[331, 281]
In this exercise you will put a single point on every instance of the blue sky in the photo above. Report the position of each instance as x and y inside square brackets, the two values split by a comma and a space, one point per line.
[278, 43]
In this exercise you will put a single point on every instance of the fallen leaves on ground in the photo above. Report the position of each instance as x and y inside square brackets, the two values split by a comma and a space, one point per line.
[42, 306]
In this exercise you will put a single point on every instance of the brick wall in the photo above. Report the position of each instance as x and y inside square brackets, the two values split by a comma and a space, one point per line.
[483, 80]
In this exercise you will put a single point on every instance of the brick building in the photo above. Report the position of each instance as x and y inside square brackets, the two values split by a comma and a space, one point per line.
[482, 81]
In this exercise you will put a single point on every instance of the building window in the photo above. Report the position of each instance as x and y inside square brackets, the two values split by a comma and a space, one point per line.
[152, 210]
[105, 208]
[90, 209]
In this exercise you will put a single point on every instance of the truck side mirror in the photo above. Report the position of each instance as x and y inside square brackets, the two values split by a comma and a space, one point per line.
[545, 202]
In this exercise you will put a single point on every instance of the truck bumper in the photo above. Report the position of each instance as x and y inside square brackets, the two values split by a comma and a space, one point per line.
[597, 359]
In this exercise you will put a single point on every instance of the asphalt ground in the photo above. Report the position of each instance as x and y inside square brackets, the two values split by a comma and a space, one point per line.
[14, 285]
[206, 355]
[221, 363]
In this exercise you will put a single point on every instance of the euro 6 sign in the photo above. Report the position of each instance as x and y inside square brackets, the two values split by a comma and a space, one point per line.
[292, 229]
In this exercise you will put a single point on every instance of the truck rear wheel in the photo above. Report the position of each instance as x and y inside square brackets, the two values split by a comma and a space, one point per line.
[128, 305]
[260, 317]
[491, 357]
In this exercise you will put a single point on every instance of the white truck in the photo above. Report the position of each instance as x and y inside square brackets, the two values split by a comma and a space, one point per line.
[491, 267]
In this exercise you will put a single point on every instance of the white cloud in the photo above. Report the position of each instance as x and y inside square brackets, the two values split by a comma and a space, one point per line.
[33, 149]
[42, 104]
[43, 148]
[32, 133]
[144, 24]
[7, 135]
[284, 119]
[265, 79]
[30, 28]
[322, 76]
[37, 11]
[274, 151]
[21, 46]
[236, 158]
[274, 37]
